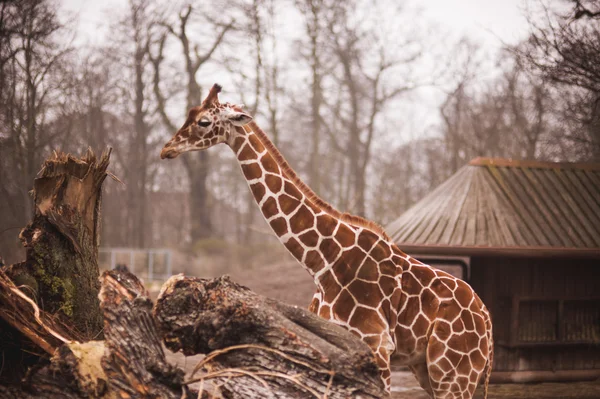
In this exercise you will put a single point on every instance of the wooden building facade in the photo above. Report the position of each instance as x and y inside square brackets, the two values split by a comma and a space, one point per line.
[526, 237]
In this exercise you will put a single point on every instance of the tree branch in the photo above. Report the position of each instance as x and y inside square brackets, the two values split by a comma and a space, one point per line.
[581, 11]
[160, 98]
[202, 59]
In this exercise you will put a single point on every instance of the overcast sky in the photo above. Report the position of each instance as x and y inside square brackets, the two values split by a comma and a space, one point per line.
[486, 20]
[489, 23]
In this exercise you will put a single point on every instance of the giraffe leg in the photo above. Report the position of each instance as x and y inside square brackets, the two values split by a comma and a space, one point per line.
[314, 304]
[422, 375]
[382, 357]
[455, 362]
[386, 376]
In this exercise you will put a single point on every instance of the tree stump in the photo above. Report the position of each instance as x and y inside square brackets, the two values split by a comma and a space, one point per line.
[60, 273]
[258, 347]
[62, 240]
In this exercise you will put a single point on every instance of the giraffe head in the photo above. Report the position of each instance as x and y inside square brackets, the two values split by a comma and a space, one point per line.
[206, 125]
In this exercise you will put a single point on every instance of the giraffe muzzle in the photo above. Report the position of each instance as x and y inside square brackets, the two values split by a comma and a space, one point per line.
[168, 153]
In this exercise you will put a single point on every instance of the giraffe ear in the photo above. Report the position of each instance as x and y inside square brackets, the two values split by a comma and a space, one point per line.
[237, 118]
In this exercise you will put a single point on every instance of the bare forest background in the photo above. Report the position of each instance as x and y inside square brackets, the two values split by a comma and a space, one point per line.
[331, 94]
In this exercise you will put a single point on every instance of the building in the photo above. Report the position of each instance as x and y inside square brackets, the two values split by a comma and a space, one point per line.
[526, 236]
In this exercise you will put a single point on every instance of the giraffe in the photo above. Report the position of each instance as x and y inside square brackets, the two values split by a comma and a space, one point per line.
[403, 309]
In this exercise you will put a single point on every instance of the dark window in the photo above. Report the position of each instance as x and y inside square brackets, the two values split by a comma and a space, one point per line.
[539, 321]
[456, 267]
[581, 321]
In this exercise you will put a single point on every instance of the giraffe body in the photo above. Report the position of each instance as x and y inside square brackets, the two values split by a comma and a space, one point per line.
[443, 331]
[401, 308]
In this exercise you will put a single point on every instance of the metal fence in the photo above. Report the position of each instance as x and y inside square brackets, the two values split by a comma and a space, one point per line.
[148, 263]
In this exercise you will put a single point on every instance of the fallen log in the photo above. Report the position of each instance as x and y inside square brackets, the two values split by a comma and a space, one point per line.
[135, 364]
[129, 363]
[258, 347]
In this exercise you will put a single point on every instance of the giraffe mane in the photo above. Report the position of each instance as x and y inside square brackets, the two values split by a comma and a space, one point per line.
[308, 192]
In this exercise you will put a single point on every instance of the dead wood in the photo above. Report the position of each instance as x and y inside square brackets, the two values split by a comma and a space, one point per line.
[52, 306]
[27, 332]
[59, 278]
[61, 241]
[136, 364]
[129, 363]
[23, 314]
[258, 347]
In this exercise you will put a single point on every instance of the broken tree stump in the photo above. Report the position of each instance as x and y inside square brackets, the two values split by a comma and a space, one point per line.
[258, 347]
[60, 273]
[61, 267]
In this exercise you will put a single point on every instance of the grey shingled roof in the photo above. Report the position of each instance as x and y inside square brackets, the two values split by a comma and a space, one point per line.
[499, 203]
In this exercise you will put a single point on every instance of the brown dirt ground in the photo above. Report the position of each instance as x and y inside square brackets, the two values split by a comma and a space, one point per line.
[286, 281]
[406, 387]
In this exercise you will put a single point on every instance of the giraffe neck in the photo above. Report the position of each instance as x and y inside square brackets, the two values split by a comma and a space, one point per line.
[285, 205]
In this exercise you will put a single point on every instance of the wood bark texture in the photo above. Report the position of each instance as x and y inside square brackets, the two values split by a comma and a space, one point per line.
[258, 347]
[129, 363]
[58, 281]
[26, 332]
[61, 241]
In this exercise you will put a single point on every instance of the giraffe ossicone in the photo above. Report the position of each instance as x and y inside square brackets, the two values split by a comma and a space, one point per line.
[403, 309]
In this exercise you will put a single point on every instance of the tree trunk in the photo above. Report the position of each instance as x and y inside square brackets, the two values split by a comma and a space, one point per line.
[258, 347]
[314, 177]
[61, 242]
[197, 165]
[139, 144]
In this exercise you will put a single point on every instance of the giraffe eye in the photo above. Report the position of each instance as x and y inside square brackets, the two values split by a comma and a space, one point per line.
[204, 122]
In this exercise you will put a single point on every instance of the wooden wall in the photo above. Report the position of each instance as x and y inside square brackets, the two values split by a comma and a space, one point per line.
[542, 284]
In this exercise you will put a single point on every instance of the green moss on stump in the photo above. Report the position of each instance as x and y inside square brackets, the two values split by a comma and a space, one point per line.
[53, 267]
[49, 276]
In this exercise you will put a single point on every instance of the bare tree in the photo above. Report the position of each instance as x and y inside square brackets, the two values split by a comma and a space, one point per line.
[399, 185]
[313, 12]
[366, 60]
[131, 53]
[565, 50]
[508, 116]
[529, 101]
[197, 165]
[585, 9]
[455, 105]
[29, 58]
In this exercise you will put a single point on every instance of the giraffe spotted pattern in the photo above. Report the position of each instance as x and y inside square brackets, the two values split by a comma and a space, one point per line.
[420, 316]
